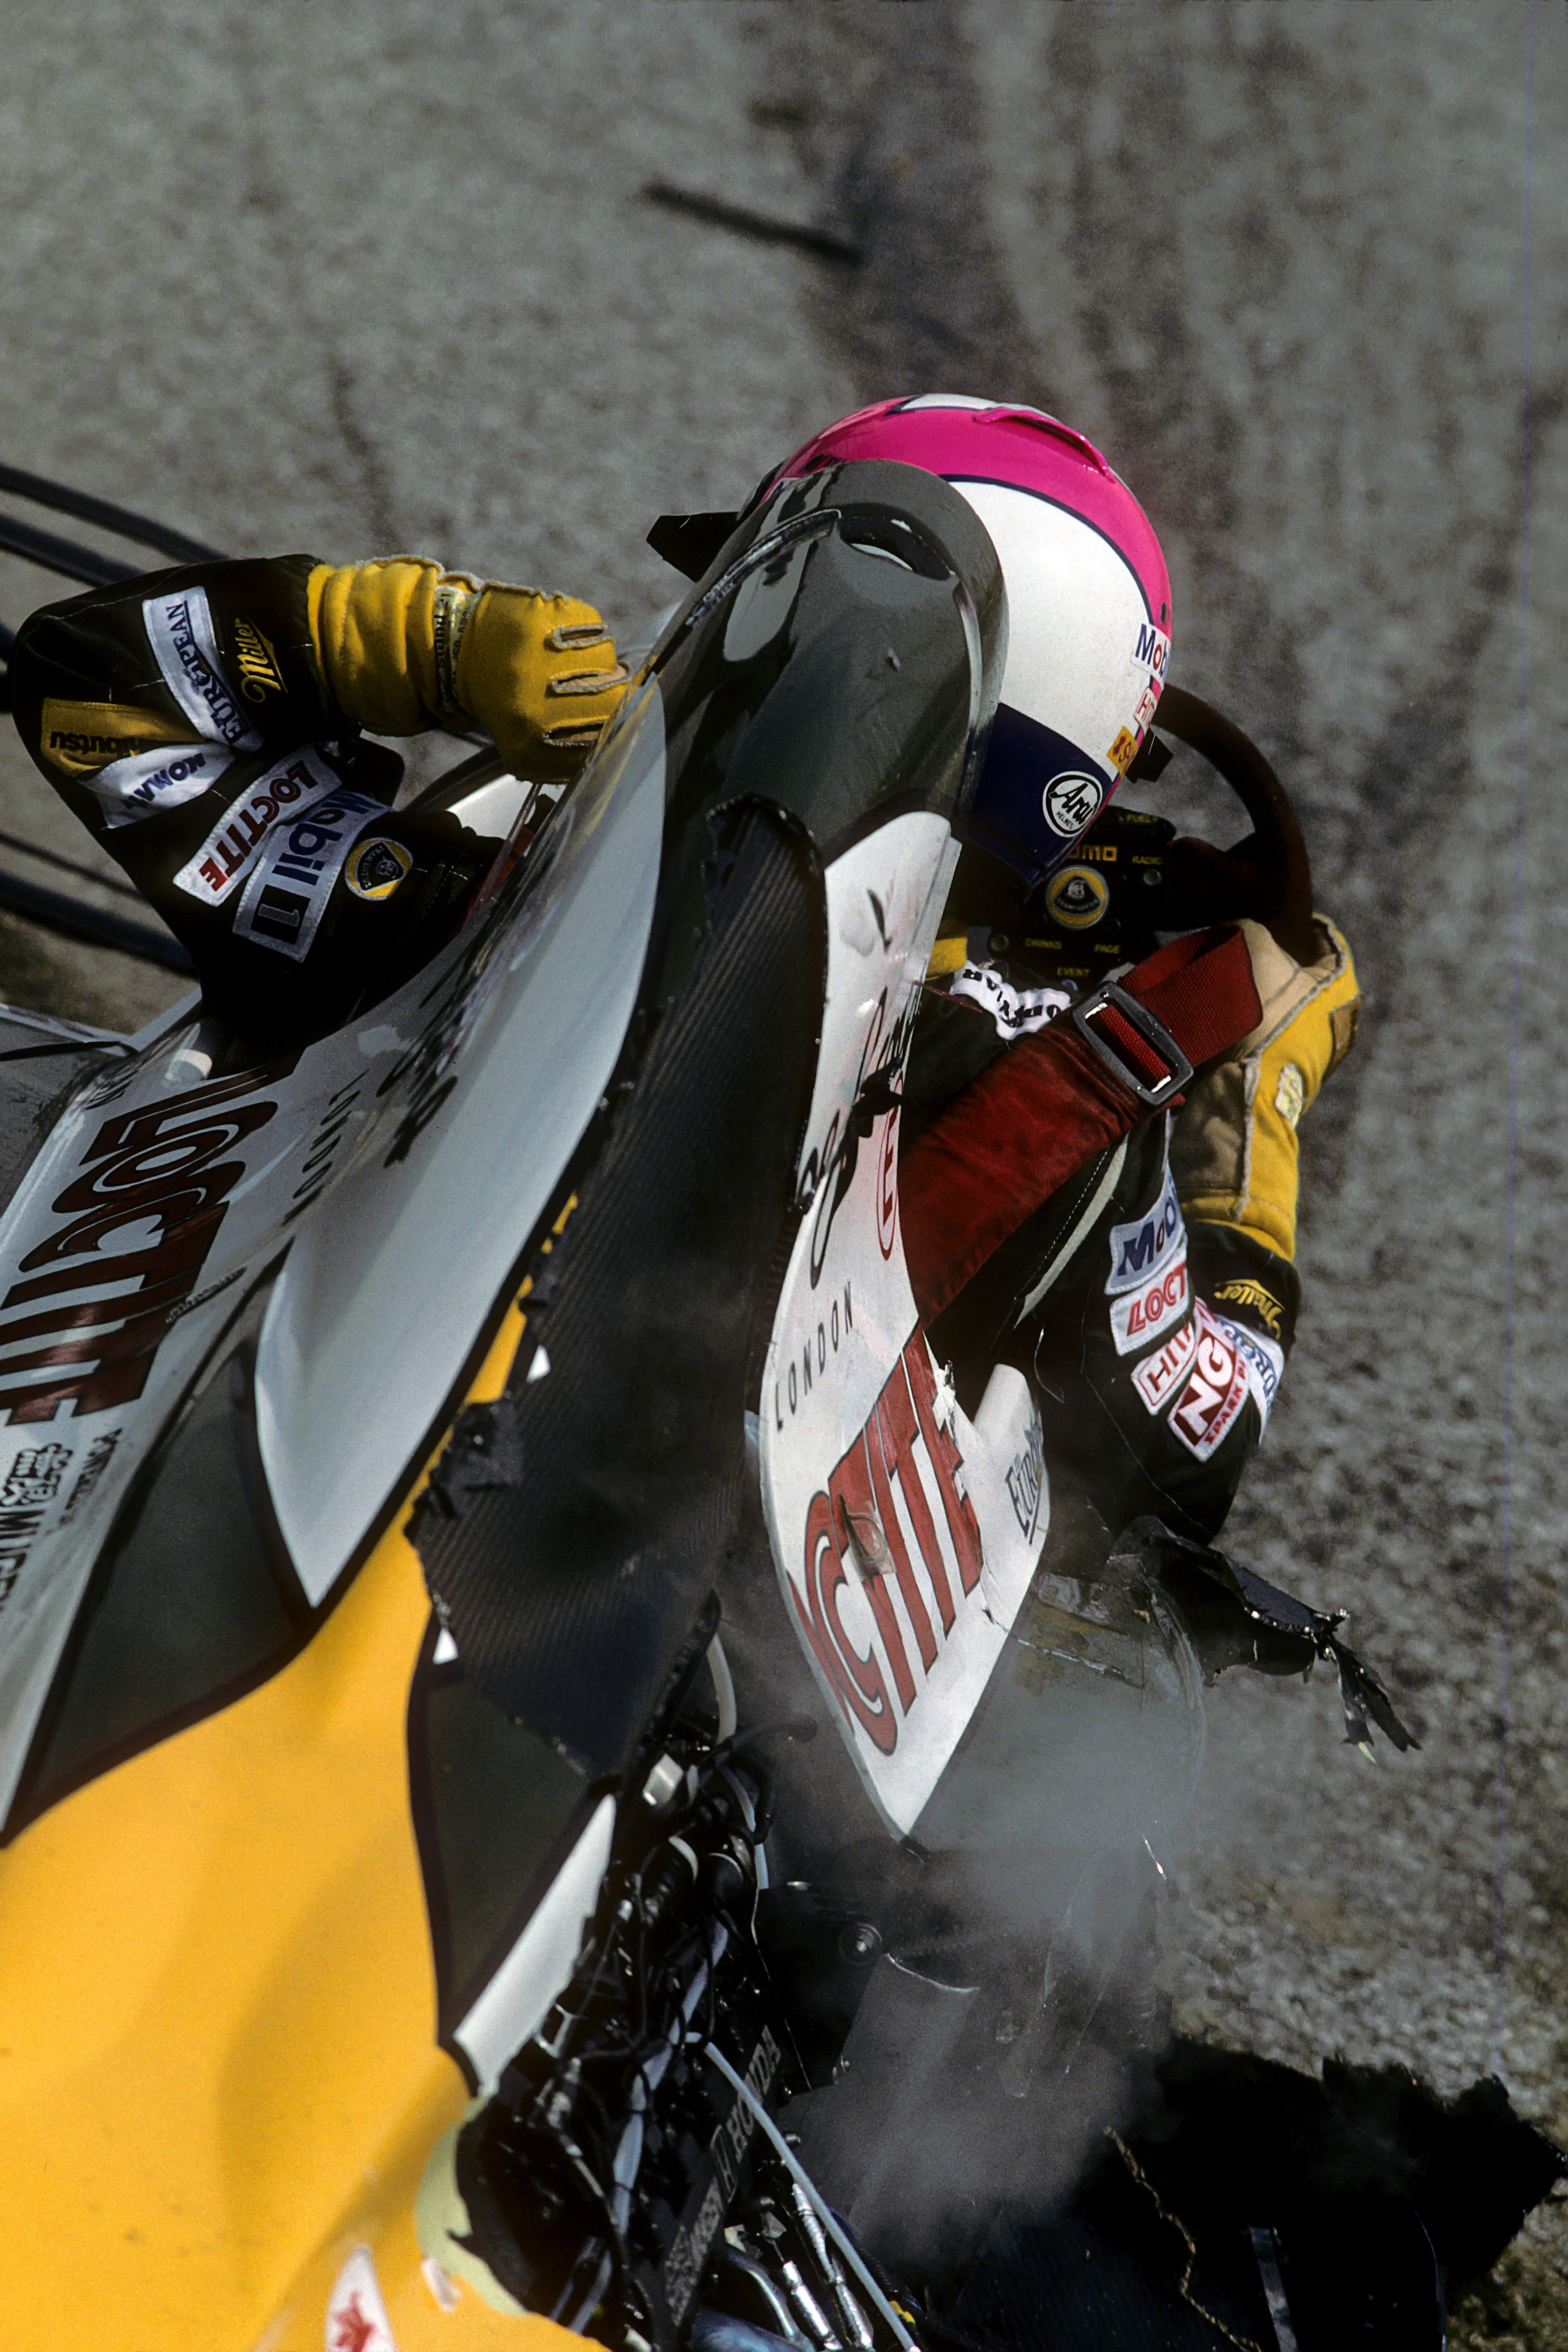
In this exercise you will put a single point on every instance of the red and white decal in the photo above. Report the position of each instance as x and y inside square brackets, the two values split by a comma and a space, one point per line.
[898, 1457]
[1205, 1411]
[357, 2314]
[1157, 1375]
[887, 1185]
[93, 1298]
[231, 848]
[1138, 1316]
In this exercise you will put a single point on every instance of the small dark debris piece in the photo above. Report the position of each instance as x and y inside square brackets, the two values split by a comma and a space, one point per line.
[765, 227]
[1235, 1618]
[483, 1451]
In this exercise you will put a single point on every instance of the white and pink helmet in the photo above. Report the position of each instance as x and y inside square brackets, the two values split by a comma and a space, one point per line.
[1089, 605]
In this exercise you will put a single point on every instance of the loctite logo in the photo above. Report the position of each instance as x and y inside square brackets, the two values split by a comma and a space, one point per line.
[1138, 1314]
[902, 1455]
[85, 1318]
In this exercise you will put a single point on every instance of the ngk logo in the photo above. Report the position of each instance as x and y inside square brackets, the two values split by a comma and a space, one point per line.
[875, 1531]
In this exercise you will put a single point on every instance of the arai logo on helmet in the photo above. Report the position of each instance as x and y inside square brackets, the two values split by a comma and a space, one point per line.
[1071, 802]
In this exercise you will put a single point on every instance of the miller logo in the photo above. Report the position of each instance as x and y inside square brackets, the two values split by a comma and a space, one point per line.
[1072, 802]
[1078, 897]
[1263, 1303]
[259, 672]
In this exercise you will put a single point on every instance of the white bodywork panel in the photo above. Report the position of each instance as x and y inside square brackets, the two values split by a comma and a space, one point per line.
[401, 1163]
[902, 1568]
[388, 1283]
[516, 2000]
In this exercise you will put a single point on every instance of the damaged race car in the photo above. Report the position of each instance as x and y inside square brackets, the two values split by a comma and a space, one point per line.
[572, 1758]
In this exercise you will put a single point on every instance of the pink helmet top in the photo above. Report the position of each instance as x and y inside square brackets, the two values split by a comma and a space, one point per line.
[969, 440]
[1088, 601]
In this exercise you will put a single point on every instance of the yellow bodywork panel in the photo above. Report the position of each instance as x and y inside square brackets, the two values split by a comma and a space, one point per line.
[218, 2071]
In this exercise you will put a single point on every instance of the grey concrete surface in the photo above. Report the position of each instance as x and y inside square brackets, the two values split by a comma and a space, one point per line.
[381, 276]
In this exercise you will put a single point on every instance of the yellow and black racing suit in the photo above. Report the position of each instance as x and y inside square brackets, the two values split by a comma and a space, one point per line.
[205, 726]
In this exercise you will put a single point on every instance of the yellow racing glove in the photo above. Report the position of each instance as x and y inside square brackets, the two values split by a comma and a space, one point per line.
[1234, 1146]
[405, 645]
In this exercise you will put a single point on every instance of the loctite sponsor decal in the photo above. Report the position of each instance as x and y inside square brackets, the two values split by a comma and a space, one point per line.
[1017, 1012]
[153, 780]
[1155, 1377]
[903, 1454]
[1138, 1316]
[1265, 1361]
[231, 849]
[1144, 1246]
[91, 1303]
[1072, 802]
[287, 893]
[180, 632]
[79, 737]
[1217, 1388]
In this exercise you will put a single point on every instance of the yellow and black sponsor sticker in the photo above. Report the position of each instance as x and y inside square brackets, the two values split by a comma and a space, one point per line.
[259, 674]
[79, 738]
[377, 866]
[1076, 897]
[1124, 751]
[1263, 1303]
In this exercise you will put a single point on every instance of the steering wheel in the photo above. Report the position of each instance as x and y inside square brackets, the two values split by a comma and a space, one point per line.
[1268, 875]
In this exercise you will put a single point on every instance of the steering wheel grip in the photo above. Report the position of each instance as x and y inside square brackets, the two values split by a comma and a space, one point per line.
[1268, 875]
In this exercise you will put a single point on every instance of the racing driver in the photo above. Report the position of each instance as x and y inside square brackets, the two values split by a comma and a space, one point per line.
[1069, 1200]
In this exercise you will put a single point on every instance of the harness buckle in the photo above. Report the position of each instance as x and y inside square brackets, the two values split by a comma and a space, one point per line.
[1148, 1027]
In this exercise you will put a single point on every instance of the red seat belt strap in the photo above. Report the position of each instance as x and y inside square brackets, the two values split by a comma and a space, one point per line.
[1056, 1098]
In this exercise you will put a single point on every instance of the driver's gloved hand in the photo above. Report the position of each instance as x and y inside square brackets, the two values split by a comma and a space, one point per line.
[1234, 1144]
[405, 645]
